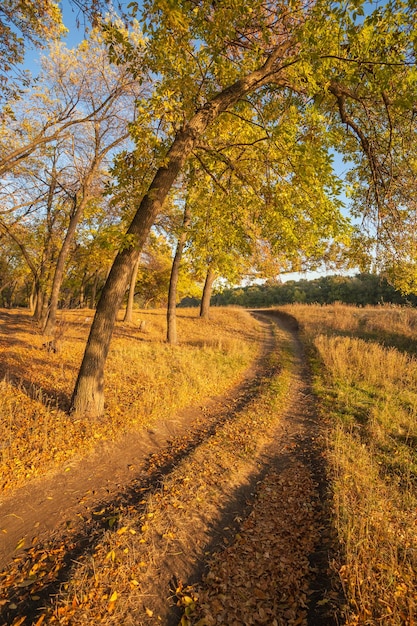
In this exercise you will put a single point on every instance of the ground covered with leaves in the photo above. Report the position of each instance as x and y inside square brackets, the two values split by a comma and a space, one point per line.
[223, 522]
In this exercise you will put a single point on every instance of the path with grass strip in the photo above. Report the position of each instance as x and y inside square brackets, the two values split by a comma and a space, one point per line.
[223, 522]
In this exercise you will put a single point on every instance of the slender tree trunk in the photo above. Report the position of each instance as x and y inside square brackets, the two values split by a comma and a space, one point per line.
[39, 300]
[173, 282]
[32, 298]
[88, 396]
[208, 288]
[82, 292]
[94, 290]
[45, 269]
[129, 307]
[50, 324]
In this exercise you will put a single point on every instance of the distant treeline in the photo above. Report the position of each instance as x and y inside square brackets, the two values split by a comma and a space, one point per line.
[361, 290]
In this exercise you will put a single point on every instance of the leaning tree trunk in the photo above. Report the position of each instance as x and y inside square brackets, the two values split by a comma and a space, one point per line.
[173, 282]
[88, 396]
[208, 288]
[129, 307]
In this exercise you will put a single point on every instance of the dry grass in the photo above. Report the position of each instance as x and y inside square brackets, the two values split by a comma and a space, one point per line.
[36, 432]
[369, 392]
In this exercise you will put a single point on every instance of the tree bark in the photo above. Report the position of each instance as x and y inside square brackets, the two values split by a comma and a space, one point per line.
[81, 302]
[88, 396]
[208, 288]
[129, 307]
[173, 281]
[32, 298]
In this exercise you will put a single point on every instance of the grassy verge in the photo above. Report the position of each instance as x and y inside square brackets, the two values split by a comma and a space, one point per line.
[147, 547]
[36, 433]
[369, 393]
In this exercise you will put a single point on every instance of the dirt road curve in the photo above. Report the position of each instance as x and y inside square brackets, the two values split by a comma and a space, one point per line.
[280, 518]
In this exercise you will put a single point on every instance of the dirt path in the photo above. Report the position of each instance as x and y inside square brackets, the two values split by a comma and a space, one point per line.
[280, 517]
[277, 570]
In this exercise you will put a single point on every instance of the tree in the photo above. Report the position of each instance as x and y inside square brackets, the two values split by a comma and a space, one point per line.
[206, 58]
[103, 95]
[266, 203]
[23, 23]
[90, 151]
[26, 24]
[88, 395]
[29, 219]
[376, 125]
[207, 291]
[174, 277]
[45, 117]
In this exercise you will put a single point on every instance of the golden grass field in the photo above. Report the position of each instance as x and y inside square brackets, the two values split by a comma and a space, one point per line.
[365, 377]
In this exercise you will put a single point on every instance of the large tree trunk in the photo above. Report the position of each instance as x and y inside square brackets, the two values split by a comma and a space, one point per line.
[129, 307]
[88, 396]
[173, 282]
[208, 288]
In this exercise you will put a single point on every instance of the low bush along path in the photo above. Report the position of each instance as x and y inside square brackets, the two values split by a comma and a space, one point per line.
[218, 516]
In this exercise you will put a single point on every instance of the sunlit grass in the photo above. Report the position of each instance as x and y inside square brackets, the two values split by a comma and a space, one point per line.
[146, 380]
[368, 394]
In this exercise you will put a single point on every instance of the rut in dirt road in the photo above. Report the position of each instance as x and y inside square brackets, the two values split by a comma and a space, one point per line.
[253, 500]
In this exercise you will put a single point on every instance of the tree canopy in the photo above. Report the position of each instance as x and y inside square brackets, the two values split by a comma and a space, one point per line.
[26, 24]
[207, 58]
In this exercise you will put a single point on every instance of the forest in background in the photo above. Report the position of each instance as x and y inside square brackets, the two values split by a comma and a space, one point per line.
[359, 290]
